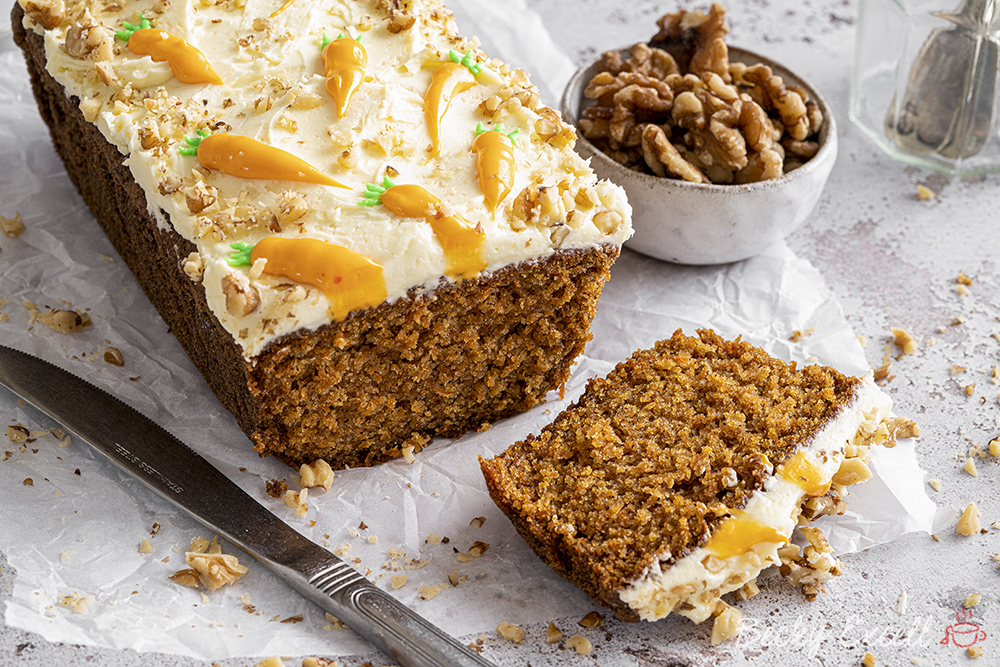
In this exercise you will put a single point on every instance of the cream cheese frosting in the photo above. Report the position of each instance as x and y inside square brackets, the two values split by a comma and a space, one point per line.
[693, 584]
[274, 91]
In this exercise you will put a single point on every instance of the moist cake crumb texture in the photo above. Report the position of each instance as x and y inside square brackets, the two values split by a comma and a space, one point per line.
[654, 457]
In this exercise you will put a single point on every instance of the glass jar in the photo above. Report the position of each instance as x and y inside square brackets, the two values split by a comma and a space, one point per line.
[924, 85]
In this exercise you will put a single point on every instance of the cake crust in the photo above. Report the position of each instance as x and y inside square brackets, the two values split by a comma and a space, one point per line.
[356, 391]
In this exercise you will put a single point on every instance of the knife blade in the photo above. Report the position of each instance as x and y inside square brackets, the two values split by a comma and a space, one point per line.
[175, 471]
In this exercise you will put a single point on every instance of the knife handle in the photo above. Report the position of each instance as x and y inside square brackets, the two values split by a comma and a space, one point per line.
[382, 620]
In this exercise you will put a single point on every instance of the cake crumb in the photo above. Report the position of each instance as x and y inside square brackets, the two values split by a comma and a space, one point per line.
[276, 487]
[76, 603]
[970, 467]
[935, 484]
[903, 340]
[580, 644]
[869, 660]
[924, 193]
[12, 227]
[968, 524]
[552, 634]
[972, 600]
[510, 632]
[974, 652]
[728, 623]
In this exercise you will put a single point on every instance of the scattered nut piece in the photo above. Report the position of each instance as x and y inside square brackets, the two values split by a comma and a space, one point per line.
[972, 600]
[28, 482]
[63, 321]
[963, 279]
[145, 547]
[398, 580]
[480, 520]
[187, 577]
[77, 603]
[728, 623]
[968, 523]
[18, 433]
[995, 446]
[12, 227]
[511, 632]
[552, 634]
[272, 661]
[904, 340]
[935, 484]
[592, 620]
[319, 473]
[924, 193]
[215, 570]
[113, 356]
[428, 592]
[869, 660]
[297, 501]
[580, 644]
[974, 652]
[970, 467]
[478, 549]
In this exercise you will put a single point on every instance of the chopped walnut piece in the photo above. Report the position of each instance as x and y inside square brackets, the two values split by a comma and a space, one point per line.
[934, 484]
[319, 473]
[215, 570]
[194, 267]
[994, 447]
[663, 158]
[974, 652]
[87, 38]
[478, 549]
[428, 592]
[580, 644]
[297, 501]
[398, 580]
[852, 471]
[64, 321]
[972, 600]
[18, 433]
[77, 603]
[12, 227]
[113, 356]
[728, 623]
[903, 340]
[399, 18]
[47, 13]
[869, 660]
[592, 620]
[242, 298]
[970, 467]
[968, 523]
[963, 279]
[552, 634]
[510, 632]
[478, 522]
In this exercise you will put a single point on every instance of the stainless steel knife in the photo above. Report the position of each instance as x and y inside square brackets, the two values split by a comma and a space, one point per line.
[168, 466]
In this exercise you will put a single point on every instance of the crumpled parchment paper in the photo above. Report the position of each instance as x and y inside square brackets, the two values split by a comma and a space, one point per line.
[78, 527]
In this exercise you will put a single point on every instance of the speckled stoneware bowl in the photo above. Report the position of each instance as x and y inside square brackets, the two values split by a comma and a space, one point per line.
[694, 223]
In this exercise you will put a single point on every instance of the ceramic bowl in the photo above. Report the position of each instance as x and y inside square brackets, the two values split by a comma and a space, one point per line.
[695, 223]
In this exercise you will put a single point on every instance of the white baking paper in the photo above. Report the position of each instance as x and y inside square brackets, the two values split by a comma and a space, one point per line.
[78, 527]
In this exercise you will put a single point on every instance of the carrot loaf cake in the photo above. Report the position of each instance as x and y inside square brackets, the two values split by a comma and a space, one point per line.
[363, 230]
[683, 473]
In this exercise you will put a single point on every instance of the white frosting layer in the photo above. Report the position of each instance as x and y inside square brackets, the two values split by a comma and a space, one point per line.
[691, 589]
[275, 92]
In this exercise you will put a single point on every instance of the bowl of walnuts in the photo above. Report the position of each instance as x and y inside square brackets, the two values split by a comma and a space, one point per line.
[721, 151]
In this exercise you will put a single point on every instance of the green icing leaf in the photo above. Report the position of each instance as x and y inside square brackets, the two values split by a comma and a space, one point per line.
[467, 61]
[510, 135]
[241, 254]
[193, 143]
[131, 28]
[374, 192]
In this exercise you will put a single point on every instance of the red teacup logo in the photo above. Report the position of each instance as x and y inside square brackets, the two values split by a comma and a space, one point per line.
[963, 633]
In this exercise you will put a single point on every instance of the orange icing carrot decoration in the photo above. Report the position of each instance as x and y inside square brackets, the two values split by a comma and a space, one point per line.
[350, 280]
[448, 80]
[462, 245]
[248, 158]
[494, 164]
[186, 62]
[344, 63]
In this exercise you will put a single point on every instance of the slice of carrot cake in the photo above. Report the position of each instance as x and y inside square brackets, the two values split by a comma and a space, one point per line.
[683, 474]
